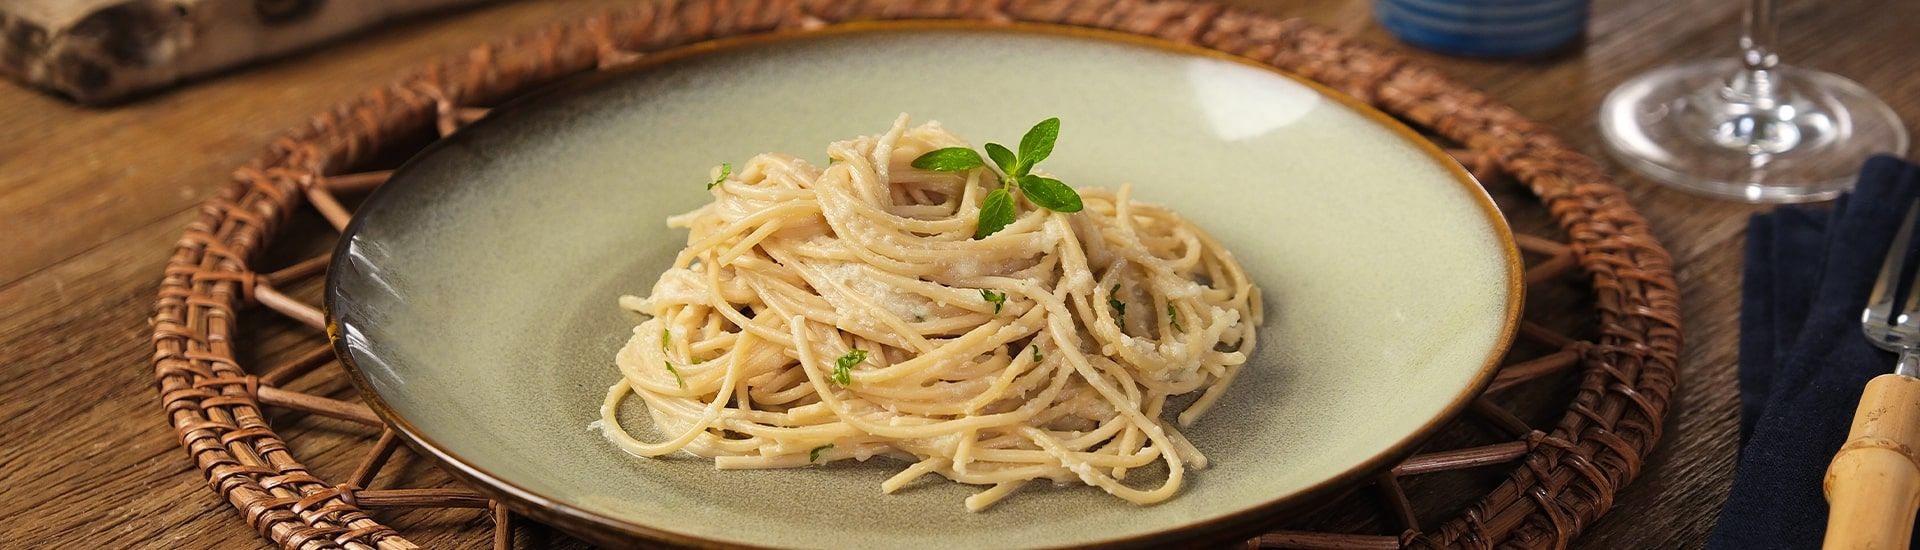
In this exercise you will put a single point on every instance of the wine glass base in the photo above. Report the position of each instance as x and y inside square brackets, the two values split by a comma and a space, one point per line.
[1685, 126]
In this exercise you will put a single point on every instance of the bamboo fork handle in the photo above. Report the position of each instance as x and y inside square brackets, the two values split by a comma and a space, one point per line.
[1873, 484]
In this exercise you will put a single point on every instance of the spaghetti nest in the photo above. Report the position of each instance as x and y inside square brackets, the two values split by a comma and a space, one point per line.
[845, 312]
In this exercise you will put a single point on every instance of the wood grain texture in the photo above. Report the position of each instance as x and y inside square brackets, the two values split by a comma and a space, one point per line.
[91, 200]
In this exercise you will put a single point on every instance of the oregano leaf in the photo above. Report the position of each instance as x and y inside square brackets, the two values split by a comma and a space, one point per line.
[1002, 157]
[1050, 194]
[1038, 143]
[950, 159]
[995, 214]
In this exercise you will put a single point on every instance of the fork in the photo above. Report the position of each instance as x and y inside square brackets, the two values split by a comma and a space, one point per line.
[1873, 484]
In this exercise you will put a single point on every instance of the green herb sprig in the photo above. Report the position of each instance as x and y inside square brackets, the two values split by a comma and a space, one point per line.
[843, 367]
[1015, 172]
[1119, 307]
[814, 455]
[1036, 353]
[1173, 318]
[998, 299]
[676, 374]
[726, 170]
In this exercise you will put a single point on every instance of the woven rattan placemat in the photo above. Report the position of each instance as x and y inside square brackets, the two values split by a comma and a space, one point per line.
[1557, 479]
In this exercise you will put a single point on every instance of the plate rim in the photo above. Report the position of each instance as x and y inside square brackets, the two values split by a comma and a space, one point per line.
[603, 529]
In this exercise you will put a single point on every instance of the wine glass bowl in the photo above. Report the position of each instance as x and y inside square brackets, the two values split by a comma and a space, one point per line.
[1701, 126]
[1749, 128]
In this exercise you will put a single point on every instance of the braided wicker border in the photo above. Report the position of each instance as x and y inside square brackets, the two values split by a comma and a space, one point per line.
[1567, 478]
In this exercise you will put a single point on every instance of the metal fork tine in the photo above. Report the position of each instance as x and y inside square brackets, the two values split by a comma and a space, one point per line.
[1880, 301]
[1906, 330]
[1908, 318]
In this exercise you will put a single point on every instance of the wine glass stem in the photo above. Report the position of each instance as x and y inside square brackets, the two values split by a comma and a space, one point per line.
[1757, 55]
[1749, 113]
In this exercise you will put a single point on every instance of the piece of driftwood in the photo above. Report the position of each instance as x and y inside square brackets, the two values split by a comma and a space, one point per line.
[100, 51]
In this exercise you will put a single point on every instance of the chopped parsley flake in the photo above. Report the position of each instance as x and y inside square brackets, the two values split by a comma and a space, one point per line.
[676, 374]
[998, 299]
[814, 455]
[726, 170]
[843, 367]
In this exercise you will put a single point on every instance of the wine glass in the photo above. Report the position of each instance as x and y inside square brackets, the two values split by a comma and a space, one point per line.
[1750, 129]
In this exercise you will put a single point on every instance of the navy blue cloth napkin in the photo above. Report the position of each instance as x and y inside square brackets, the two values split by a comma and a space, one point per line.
[1803, 358]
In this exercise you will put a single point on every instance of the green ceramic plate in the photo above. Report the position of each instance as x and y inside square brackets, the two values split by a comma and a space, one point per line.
[474, 294]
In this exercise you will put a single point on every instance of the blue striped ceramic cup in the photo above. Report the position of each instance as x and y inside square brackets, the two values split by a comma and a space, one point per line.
[1484, 28]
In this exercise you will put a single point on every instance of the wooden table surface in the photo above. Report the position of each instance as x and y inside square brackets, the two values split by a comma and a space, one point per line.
[92, 200]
